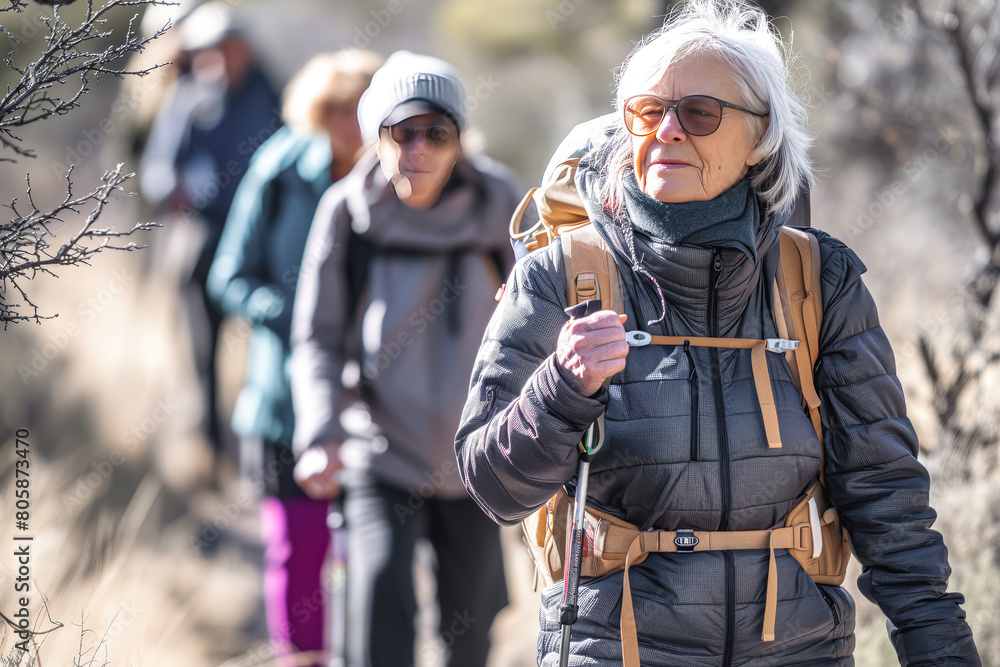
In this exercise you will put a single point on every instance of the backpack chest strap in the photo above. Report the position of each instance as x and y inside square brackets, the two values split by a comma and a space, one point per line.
[758, 360]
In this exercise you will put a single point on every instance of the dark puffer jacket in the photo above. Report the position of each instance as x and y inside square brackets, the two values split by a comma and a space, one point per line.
[686, 448]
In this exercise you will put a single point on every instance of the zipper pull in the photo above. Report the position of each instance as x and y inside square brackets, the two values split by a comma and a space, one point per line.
[717, 267]
[687, 352]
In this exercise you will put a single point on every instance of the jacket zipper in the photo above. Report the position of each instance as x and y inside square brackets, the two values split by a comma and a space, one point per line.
[693, 379]
[720, 412]
[831, 603]
[491, 394]
[720, 408]
[727, 655]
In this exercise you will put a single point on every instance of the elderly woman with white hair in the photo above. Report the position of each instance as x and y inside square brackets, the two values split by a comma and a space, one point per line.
[689, 193]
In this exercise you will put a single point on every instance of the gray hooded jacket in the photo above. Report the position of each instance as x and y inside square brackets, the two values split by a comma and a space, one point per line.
[686, 448]
[413, 335]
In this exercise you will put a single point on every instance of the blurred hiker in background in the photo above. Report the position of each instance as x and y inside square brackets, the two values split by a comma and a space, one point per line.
[396, 288]
[706, 441]
[254, 276]
[210, 124]
[140, 98]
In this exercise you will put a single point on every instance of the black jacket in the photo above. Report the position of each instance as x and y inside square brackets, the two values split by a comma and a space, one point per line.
[686, 448]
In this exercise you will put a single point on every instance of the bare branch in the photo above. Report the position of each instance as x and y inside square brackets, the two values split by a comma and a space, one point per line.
[27, 241]
[70, 57]
[982, 108]
[67, 55]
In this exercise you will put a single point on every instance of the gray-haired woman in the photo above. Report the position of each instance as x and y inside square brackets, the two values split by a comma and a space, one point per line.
[690, 193]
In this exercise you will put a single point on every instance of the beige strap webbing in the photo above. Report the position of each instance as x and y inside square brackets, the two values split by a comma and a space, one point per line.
[591, 273]
[786, 324]
[800, 263]
[662, 541]
[590, 268]
[761, 376]
[771, 597]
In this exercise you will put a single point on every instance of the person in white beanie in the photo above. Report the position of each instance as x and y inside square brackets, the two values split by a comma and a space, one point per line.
[396, 288]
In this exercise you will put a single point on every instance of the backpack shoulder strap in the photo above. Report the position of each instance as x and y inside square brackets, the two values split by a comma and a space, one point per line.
[357, 262]
[590, 267]
[798, 307]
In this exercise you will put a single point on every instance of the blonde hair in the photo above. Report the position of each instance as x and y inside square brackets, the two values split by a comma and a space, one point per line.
[743, 35]
[328, 77]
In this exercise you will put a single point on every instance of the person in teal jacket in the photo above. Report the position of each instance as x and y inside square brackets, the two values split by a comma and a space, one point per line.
[253, 276]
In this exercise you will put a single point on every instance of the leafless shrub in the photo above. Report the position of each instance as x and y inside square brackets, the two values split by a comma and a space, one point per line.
[50, 85]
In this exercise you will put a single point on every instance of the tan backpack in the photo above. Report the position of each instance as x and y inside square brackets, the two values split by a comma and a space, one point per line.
[812, 533]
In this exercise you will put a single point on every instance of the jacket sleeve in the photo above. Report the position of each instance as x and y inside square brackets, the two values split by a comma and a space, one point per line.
[236, 280]
[158, 177]
[517, 441]
[318, 330]
[874, 478]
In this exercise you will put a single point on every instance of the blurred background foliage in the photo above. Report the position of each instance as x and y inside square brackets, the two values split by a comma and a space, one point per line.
[902, 98]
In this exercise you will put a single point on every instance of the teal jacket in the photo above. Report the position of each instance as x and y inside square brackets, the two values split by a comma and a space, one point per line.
[257, 266]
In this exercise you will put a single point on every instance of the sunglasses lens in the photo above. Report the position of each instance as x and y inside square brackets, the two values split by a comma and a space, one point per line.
[439, 135]
[643, 115]
[402, 134]
[699, 115]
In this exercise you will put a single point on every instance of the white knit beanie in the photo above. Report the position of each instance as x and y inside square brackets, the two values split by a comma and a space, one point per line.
[407, 76]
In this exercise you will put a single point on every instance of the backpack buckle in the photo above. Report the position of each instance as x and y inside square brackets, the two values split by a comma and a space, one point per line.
[781, 344]
[637, 338]
[686, 540]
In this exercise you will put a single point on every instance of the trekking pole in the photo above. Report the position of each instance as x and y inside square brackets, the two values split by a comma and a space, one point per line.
[337, 602]
[592, 440]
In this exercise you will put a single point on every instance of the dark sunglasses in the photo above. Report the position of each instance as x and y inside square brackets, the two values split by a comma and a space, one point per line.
[436, 135]
[699, 115]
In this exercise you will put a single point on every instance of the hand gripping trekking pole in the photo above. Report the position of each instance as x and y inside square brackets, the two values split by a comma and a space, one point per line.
[592, 440]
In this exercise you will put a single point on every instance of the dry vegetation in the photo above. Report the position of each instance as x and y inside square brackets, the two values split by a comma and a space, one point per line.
[905, 145]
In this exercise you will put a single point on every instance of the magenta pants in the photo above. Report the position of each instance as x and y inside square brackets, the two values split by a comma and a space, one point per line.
[296, 540]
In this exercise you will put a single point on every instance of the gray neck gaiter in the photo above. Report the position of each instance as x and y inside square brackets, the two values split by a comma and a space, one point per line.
[728, 221]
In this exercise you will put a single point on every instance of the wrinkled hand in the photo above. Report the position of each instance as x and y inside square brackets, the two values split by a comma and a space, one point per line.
[592, 349]
[316, 471]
